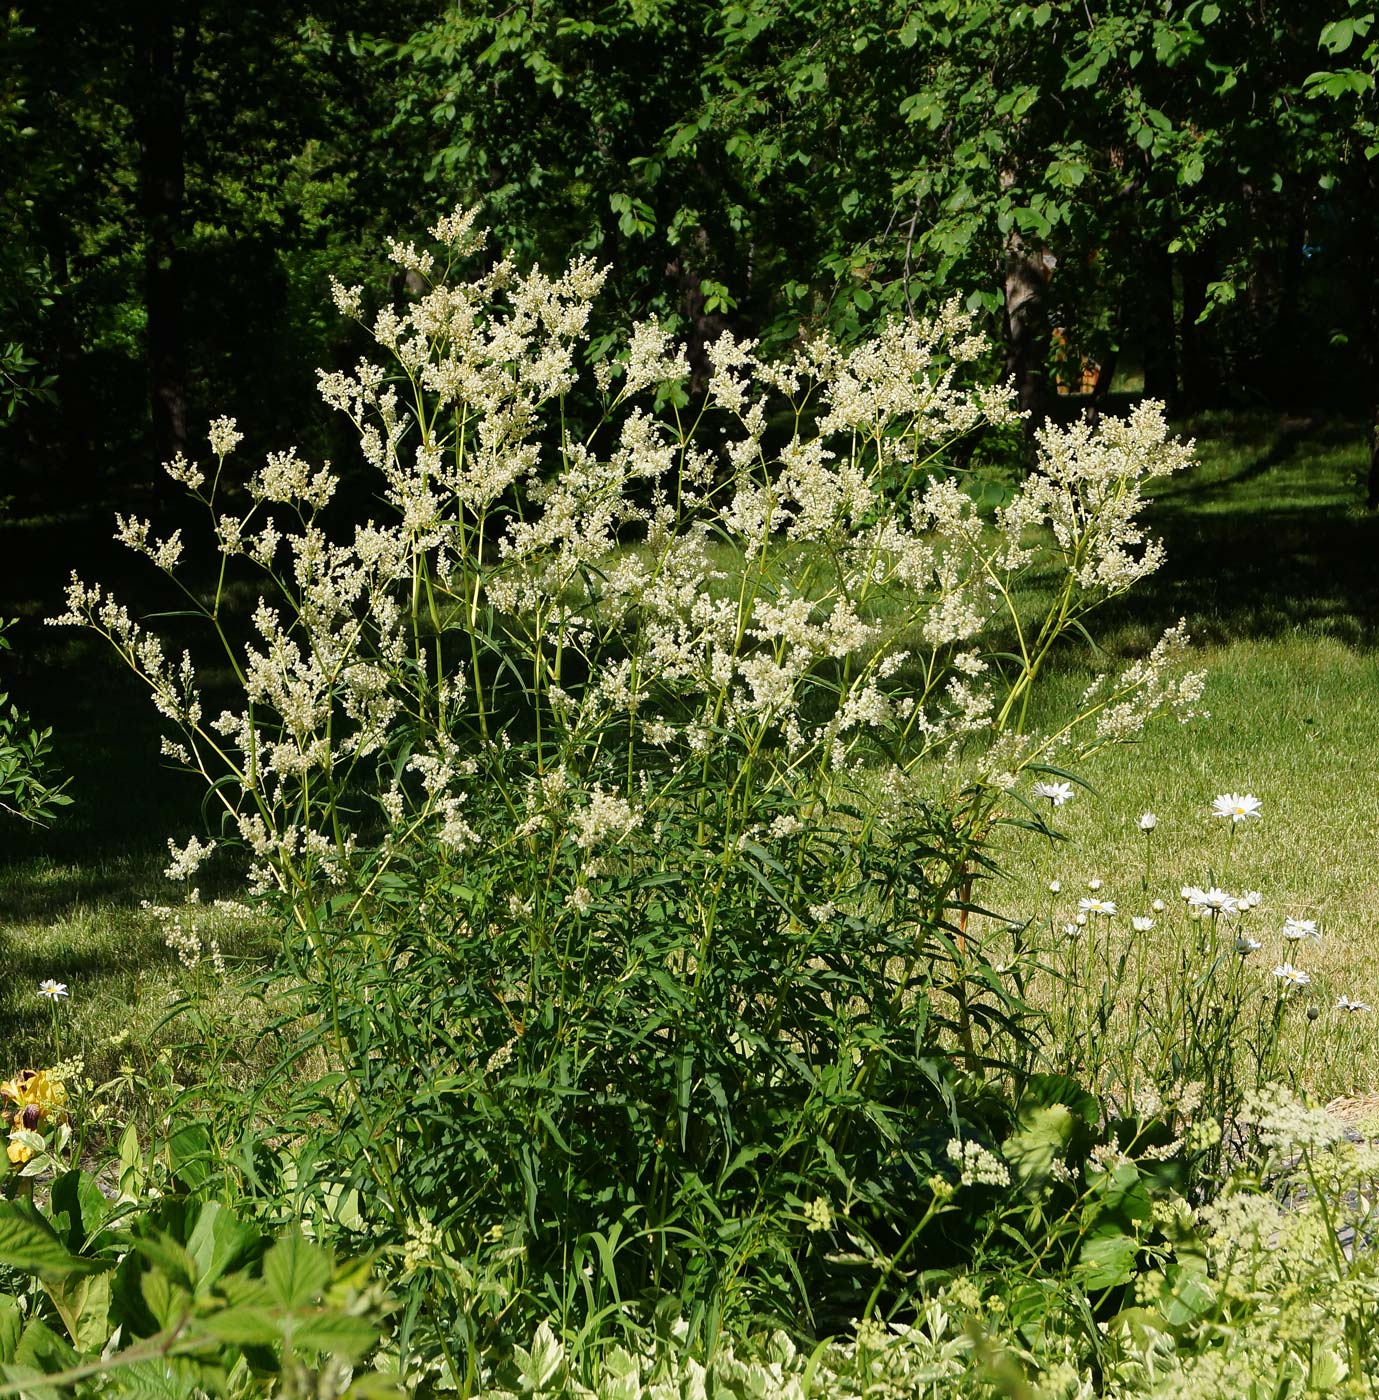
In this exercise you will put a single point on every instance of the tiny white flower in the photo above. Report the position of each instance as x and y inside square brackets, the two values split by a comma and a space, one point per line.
[54, 991]
[1141, 923]
[1345, 1003]
[1245, 946]
[1251, 899]
[1235, 805]
[1192, 894]
[1080, 920]
[1094, 885]
[1217, 901]
[1297, 929]
[1148, 821]
[1291, 976]
[1097, 906]
[1056, 793]
[1158, 906]
[1072, 930]
[1055, 886]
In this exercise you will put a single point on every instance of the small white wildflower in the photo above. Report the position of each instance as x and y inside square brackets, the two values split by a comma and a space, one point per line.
[1141, 923]
[1214, 900]
[1237, 806]
[224, 438]
[1072, 930]
[1056, 793]
[1148, 821]
[1105, 907]
[1094, 884]
[1055, 886]
[1291, 976]
[54, 991]
[1245, 946]
[1158, 906]
[1080, 920]
[186, 862]
[1251, 899]
[1345, 1003]
[818, 1215]
[979, 1167]
[1295, 930]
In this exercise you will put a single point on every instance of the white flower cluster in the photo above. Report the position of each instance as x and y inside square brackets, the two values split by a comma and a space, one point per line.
[978, 1166]
[811, 596]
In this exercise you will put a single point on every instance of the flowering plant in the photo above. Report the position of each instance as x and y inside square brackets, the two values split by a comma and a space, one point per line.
[624, 790]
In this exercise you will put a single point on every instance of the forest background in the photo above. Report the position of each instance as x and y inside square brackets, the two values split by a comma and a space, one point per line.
[1178, 196]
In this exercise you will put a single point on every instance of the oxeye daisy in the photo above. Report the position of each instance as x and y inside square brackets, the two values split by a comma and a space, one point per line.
[1291, 976]
[1141, 923]
[1104, 907]
[1055, 793]
[54, 991]
[1345, 1003]
[1237, 806]
[1245, 946]
[1215, 900]
[1148, 821]
[1298, 929]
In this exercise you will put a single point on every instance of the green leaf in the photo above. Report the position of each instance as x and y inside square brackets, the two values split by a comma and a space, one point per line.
[84, 1306]
[42, 1348]
[29, 1243]
[333, 1334]
[11, 1325]
[219, 1242]
[1106, 1261]
[190, 1155]
[295, 1271]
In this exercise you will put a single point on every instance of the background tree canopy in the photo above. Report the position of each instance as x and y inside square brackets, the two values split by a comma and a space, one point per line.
[1178, 194]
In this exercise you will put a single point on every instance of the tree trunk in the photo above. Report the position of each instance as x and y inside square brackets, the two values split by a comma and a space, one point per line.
[1201, 385]
[160, 114]
[1025, 325]
[1160, 328]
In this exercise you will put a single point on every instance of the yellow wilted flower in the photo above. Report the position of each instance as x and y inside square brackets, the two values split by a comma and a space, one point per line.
[37, 1094]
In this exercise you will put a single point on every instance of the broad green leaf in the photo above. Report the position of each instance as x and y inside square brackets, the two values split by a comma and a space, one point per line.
[84, 1306]
[295, 1271]
[11, 1326]
[29, 1243]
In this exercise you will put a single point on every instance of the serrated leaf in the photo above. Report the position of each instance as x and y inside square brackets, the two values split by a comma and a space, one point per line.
[295, 1271]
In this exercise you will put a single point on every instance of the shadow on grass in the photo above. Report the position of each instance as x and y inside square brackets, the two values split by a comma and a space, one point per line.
[1265, 540]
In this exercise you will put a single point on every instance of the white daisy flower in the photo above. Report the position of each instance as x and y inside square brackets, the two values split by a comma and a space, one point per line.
[1238, 806]
[1105, 907]
[1148, 821]
[1251, 899]
[1291, 976]
[1094, 884]
[1141, 923]
[1055, 886]
[54, 991]
[1056, 793]
[1345, 1003]
[1215, 900]
[1245, 946]
[1158, 906]
[1298, 929]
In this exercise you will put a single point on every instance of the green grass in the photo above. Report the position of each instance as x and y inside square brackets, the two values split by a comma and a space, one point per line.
[1277, 571]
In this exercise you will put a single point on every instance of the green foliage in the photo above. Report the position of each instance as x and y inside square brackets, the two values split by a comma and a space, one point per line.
[26, 789]
[174, 1297]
